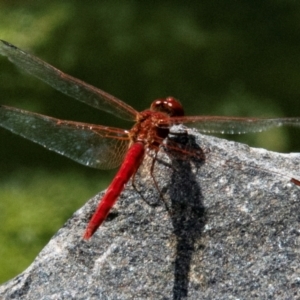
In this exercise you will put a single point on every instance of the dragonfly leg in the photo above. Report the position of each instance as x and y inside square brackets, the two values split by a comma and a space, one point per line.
[156, 183]
[139, 192]
[161, 196]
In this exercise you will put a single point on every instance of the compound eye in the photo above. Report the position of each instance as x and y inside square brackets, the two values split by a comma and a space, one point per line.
[169, 106]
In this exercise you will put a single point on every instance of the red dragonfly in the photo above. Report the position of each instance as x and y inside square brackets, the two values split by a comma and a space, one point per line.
[107, 147]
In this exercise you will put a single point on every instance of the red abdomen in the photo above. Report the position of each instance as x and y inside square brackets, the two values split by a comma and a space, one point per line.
[130, 165]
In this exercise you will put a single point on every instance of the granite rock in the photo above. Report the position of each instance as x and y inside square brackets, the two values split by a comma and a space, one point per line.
[225, 224]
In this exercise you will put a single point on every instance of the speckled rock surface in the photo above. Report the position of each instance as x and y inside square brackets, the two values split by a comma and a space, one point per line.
[231, 230]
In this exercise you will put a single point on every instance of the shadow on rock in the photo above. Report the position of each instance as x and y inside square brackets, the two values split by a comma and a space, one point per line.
[186, 210]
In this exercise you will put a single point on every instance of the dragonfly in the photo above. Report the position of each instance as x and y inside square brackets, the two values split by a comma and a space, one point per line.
[106, 147]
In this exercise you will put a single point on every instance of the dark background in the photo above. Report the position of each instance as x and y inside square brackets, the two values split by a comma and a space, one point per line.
[239, 58]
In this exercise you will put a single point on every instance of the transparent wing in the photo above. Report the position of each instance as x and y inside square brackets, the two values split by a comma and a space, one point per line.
[234, 125]
[91, 145]
[67, 84]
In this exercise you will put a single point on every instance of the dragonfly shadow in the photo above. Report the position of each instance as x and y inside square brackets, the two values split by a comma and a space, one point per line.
[187, 210]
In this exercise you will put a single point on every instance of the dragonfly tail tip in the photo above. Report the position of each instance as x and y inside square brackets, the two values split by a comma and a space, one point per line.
[295, 181]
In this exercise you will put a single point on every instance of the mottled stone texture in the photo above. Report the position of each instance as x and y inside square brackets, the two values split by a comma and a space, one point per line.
[228, 227]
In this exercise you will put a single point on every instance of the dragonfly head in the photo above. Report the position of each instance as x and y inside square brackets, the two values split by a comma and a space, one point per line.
[169, 106]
